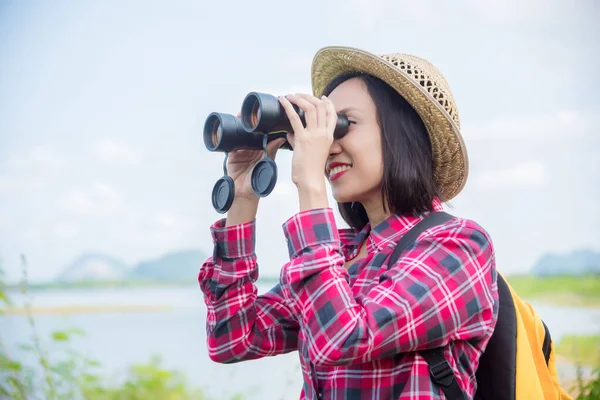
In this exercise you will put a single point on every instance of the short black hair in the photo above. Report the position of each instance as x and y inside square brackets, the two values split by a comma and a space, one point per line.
[408, 186]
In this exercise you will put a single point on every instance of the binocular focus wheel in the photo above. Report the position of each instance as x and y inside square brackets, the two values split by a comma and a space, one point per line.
[264, 177]
[223, 194]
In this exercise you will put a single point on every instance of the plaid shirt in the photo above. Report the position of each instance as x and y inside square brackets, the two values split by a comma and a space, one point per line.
[357, 329]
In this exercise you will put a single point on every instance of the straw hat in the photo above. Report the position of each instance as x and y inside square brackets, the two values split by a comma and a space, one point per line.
[424, 87]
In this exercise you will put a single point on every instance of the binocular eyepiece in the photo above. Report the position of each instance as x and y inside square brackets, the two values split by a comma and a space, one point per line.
[264, 113]
[263, 119]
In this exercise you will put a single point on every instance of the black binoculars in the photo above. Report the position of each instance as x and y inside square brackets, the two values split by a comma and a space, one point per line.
[263, 119]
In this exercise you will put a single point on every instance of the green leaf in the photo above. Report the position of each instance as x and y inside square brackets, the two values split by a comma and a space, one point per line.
[60, 336]
[26, 347]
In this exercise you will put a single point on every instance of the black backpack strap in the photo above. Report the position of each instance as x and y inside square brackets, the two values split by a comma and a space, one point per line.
[547, 345]
[497, 370]
[433, 219]
[442, 374]
[439, 368]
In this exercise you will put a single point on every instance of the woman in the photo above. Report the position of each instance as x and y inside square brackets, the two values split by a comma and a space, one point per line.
[358, 324]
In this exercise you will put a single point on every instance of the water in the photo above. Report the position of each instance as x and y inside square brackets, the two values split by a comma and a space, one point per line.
[118, 339]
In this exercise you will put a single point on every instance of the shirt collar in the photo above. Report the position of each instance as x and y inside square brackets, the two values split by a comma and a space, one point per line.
[389, 231]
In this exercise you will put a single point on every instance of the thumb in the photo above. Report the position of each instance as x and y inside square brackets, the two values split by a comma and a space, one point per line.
[273, 146]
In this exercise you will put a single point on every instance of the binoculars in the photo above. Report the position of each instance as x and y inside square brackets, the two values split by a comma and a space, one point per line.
[263, 119]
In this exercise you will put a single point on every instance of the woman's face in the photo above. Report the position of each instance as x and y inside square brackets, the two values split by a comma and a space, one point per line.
[355, 165]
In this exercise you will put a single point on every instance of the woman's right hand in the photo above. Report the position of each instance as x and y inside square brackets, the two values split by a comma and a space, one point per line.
[240, 164]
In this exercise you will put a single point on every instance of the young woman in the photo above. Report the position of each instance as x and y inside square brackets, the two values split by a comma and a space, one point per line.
[359, 324]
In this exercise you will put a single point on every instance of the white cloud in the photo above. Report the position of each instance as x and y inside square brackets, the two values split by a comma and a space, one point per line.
[114, 152]
[283, 91]
[66, 230]
[32, 170]
[530, 173]
[167, 220]
[38, 158]
[521, 12]
[295, 63]
[97, 200]
[284, 188]
[561, 124]
[6, 185]
[371, 13]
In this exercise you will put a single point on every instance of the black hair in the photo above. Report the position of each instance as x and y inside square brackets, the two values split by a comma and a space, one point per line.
[408, 186]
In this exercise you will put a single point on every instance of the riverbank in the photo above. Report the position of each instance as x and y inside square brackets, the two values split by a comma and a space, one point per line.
[581, 291]
[582, 350]
[578, 291]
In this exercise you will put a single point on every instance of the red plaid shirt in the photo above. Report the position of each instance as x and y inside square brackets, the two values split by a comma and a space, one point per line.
[357, 329]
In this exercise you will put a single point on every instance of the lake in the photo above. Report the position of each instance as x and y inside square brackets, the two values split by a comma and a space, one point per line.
[117, 339]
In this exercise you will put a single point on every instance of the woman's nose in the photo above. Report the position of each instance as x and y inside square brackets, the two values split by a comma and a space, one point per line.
[335, 148]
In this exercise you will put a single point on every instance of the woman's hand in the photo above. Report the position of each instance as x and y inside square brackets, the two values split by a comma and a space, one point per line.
[239, 167]
[311, 146]
[240, 164]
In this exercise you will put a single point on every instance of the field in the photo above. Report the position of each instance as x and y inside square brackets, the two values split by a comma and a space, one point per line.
[561, 290]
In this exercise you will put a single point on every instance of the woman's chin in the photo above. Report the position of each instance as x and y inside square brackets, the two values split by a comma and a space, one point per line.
[341, 197]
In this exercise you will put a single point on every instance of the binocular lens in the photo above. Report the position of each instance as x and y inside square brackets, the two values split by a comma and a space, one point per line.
[224, 132]
[217, 132]
[251, 112]
[256, 113]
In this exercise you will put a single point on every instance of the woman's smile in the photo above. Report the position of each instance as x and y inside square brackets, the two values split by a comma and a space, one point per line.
[336, 169]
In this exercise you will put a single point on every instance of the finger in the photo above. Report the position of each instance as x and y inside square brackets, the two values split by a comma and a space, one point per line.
[310, 111]
[290, 139]
[332, 116]
[320, 106]
[292, 115]
[273, 147]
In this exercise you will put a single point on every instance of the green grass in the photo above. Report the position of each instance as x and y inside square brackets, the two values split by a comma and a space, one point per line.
[60, 372]
[583, 350]
[560, 290]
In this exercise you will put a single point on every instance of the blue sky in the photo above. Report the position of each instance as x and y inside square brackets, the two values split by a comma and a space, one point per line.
[102, 104]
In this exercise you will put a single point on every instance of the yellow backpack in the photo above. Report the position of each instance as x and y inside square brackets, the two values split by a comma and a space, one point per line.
[518, 362]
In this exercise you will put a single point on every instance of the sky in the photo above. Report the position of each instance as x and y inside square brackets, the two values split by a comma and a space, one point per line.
[102, 106]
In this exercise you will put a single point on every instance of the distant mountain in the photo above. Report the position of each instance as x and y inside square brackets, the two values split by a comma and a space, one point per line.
[579, 262]
[174, 266]
[94, 267]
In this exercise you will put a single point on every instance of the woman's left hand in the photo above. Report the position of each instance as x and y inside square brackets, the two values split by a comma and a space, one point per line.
[312, 143]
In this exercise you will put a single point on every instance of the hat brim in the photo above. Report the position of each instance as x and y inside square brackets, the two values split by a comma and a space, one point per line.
[450, 159]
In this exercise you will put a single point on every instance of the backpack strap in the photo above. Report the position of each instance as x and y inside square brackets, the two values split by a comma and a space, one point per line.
[439, 368]
[442, 374]
[547, 345]
[433, 219]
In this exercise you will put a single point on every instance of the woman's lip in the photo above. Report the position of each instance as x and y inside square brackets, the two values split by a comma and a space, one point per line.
[337, 164]
[338, 175]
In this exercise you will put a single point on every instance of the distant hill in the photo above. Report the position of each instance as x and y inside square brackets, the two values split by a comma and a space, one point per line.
[579, 262]
[94, 267]
[175, 266]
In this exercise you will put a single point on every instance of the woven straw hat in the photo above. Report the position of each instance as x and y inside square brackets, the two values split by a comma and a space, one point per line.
[424, 87]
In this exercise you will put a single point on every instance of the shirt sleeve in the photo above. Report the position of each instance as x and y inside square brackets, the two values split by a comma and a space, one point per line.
[240, 324]
[442, 289]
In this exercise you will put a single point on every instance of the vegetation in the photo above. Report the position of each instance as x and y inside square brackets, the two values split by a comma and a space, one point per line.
[583, 350]
[60, 372]
[563, 290]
